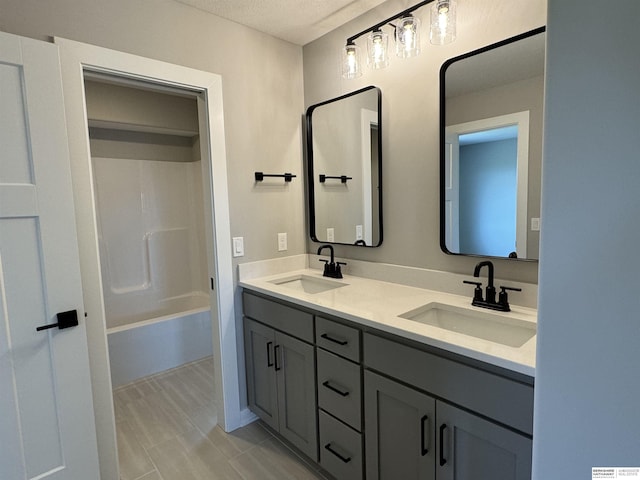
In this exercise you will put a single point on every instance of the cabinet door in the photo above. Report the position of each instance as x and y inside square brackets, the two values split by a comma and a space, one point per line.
[259, 344]
[399, 431]
[470, 448]
[295, 370]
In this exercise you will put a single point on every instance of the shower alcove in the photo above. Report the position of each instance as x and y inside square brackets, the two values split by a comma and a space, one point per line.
[149, 202]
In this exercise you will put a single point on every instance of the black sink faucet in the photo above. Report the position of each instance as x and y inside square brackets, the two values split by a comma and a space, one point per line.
[331, 267]
[490, 297]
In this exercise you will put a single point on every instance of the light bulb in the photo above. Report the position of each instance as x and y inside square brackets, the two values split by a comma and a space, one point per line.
[377, 56]
[408, 37]
[443, 22]
[351, 61]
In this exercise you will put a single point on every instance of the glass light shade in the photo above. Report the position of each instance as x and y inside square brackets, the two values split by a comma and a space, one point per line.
[443, 22]
[408, 37]
[351, 61]
[377, 52]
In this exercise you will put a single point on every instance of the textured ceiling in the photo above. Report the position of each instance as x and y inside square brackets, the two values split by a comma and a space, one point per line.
[297, 21]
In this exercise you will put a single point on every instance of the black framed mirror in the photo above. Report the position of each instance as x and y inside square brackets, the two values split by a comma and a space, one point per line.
[491, 115]
[344, 169]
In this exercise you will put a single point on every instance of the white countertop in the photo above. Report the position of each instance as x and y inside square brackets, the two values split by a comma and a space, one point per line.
[378, 304]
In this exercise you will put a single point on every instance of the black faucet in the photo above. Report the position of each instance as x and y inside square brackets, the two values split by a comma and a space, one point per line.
[491, 290]
[331, 267]
[489, 301]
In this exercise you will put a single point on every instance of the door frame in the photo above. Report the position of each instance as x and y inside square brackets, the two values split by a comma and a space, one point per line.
[75, 58]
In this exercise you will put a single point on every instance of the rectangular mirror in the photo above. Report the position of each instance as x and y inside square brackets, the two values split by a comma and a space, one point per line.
[491, 113]
[345, 169]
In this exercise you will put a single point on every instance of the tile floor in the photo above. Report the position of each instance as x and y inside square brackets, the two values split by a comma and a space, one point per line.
[166, 427]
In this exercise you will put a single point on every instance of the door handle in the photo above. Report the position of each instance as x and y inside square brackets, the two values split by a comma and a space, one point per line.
[424, 449]
[269, 361]
[276, 350]
[443, 460]
[65, 320]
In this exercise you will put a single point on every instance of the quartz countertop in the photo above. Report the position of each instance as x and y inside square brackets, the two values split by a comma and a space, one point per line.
[379, 304]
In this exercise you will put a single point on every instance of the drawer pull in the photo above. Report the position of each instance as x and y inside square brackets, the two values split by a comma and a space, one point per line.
[337, 390]
[344, 459]
[424, 449]
[443, 460]
[334, 340]
[269, 361]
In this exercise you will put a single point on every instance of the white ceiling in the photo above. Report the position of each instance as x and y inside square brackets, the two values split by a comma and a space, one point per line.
[297, 21]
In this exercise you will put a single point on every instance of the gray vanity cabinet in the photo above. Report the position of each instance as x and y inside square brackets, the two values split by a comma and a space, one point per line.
[470, 448]
[261, 374]
[281, 374]
[411, 434]
[399, 425]
[366, 404]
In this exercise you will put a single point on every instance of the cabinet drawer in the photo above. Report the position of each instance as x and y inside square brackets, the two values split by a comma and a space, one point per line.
[502, 399]
[340, 449]
[339, 388]
[338, 338]
[290, 320]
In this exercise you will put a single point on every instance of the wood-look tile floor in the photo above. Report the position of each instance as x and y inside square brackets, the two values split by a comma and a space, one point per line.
[166, 428]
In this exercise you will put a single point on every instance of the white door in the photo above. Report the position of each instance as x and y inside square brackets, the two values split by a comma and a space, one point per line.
[47, 428]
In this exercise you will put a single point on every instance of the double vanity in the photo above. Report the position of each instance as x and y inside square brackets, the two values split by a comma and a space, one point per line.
[380, 380]
[377, 375]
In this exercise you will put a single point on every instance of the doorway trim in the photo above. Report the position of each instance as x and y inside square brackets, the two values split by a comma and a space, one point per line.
[76, 58]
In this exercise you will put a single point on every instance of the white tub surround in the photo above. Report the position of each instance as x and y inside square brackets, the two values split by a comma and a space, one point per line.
[379, 304]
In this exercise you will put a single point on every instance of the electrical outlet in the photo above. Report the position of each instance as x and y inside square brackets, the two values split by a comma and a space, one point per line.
[282, 242]
[238, 246]
[358, 232]
[331, 234]
[535, 224]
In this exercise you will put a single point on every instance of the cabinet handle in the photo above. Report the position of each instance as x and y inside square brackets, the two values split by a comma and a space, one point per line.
[443, 460]
[344, 459]
[337, 390]
[424, 449]
[269, 361]
[334, 340]
[276, 349]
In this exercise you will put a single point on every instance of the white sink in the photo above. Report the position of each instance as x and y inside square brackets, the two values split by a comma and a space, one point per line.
[497, 328]
[308, 284]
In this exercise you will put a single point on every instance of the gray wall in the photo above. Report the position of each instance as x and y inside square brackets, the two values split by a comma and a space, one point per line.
[410, 123]
[262, 93]
[587, 381]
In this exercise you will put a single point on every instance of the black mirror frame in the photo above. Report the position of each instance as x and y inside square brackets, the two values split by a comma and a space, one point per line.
[310, 174]
[443, 71]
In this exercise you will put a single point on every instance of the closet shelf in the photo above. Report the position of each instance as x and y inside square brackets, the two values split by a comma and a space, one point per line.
[131, 127]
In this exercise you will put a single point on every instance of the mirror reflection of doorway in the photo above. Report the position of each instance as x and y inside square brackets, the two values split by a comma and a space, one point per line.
[486, 186]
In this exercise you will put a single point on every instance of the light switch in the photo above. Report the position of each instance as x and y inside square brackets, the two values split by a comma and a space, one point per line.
[535, 224]
[282, 242]
[238, 246]
[331, 234]
[358, 232]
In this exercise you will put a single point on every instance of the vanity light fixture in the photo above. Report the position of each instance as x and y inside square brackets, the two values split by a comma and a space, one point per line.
[406, 34]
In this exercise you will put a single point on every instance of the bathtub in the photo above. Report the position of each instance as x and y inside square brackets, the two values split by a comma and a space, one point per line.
[144, 343]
